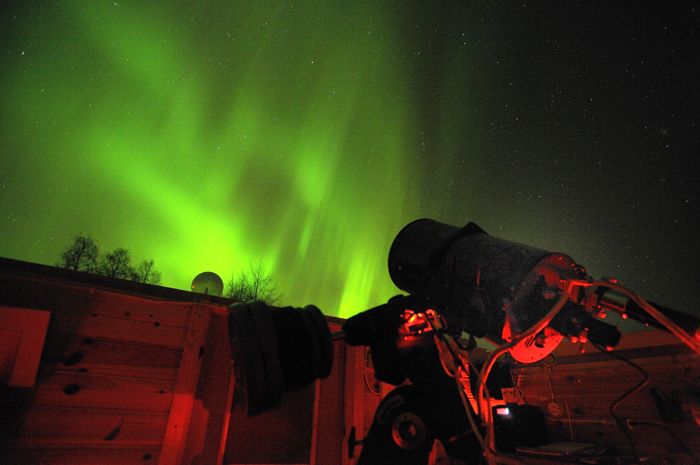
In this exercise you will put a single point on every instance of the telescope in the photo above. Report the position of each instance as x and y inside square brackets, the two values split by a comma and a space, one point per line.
[523, 299]
[492, 288]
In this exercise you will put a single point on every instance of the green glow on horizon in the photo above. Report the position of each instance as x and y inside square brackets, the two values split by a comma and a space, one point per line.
[211, 136]
[256, 150]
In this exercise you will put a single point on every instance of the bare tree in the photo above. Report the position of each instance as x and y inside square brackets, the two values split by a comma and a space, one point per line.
[146, 273]
[237, 287]
[252, 285]
[116, 264]
[81, 256]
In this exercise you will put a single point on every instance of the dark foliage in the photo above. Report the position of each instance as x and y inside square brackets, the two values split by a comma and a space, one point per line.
[83, 255]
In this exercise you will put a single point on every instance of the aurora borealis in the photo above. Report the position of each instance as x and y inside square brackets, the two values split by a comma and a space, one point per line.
[212, 135]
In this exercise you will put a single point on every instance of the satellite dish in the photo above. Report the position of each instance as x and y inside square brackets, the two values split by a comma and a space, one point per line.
[208, 283]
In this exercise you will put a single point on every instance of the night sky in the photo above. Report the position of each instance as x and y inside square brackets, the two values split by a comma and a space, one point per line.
[304, 136]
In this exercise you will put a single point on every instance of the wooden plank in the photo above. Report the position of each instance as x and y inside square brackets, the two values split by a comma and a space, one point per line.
[85, 454]
[65, 298]
[183, 400]
[9, 346]
[98, 313]
[211, 411]
[71, 351]
[585, 387]
[168, 374]
[72, 444]
[356, 413]
[281, 436]
[94, 324]
[140, 309]
[610, 379]
[227, 419]
[31, 326]
[75, 389]
[660, 359]
[329, 444]
[75, 425]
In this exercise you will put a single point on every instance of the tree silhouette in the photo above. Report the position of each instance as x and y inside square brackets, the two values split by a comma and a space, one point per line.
[146, 273]
[81, 256]
[116, 264]
[252, 285]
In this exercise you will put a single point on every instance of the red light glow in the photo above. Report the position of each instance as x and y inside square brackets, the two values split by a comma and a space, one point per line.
[502, 411]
